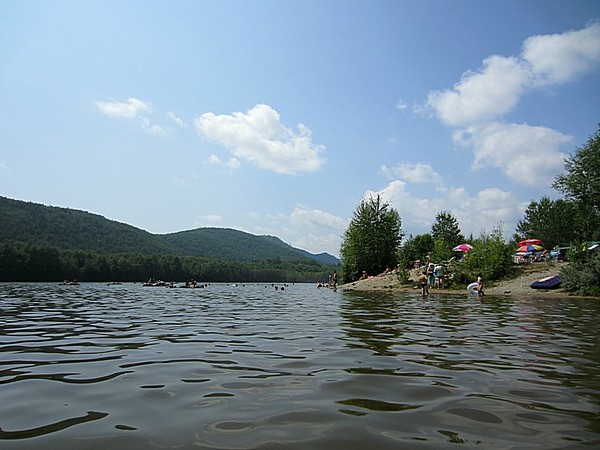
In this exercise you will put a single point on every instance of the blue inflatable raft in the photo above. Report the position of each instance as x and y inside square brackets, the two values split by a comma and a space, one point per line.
[551, 282]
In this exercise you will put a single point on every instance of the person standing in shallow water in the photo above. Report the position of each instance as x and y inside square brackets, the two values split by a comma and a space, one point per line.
[480, 285]
[430, 275]
[424, 283]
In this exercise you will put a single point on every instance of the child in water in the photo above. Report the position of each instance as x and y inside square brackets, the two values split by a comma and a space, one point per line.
[423, 282]
[480, 286]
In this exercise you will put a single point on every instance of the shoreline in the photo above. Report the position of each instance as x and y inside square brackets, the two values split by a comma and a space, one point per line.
[518, 286]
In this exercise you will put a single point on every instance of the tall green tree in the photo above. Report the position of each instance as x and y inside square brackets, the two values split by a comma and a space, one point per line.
[447, 229]
[372, 239]
[552, 221]
[446, 234]
[416, 248]
[582, 180]
[581, 184]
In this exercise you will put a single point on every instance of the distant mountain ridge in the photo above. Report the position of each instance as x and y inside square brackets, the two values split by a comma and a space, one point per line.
[75, 229]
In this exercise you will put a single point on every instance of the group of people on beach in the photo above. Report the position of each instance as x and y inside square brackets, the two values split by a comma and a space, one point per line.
[387, 271]
[436, 276]
[425, 283]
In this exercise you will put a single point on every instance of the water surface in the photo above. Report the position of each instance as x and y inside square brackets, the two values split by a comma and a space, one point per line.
[250, 367]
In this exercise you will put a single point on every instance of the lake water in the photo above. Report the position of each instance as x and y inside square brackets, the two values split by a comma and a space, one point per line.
[250, 367]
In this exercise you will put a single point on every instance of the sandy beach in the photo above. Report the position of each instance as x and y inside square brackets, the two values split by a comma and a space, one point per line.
[519, 286]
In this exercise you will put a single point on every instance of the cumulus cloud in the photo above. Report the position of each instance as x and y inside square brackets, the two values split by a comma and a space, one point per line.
[131, 109]
[258, 137]
[311, 229]
[497, 87]
[526, 154]
[128, 110]
[558, 58]
[413, 173]
[309, 218]
[474, 213]
[316, 230]
[482, 95]
[416, 213]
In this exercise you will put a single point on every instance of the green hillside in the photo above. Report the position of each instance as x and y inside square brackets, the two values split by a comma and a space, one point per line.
[71, 229]
[223, 243]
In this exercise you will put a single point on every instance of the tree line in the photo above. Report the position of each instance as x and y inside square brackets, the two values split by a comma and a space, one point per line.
[374, 237]
[42, 262]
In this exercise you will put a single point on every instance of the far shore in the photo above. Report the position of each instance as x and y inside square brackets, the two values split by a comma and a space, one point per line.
[518, 287]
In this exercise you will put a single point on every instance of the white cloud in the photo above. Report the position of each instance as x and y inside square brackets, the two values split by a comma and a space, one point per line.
[558, 58]
[305, 218]
[528, 155]
[213, 218]
[259, 137]
[171, 115]
[416, 213]
[233, 163]
[131, 109]
[487, 208]
[151, 128]
[412, 173]
[482, 95]
[311, 229]
[128, 110]
[213, 159]
[496, 88]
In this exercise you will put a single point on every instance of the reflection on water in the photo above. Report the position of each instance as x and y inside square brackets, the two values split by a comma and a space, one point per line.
[248, 367]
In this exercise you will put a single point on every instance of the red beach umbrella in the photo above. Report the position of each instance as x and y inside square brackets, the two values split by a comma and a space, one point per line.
[530, 242]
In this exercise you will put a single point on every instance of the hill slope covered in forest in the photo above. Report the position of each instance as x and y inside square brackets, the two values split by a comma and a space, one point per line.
[79, 230]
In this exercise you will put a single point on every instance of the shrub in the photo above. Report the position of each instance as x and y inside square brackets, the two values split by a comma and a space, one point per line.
[490, 255]
[582, 274]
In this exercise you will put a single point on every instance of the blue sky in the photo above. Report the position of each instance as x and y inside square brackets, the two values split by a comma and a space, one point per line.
[278, 117]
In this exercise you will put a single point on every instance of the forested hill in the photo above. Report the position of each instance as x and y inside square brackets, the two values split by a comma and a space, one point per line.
[223, 243]
[73, 229]
[79, 230]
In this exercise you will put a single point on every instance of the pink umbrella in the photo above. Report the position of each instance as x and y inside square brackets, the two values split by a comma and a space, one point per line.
[466, 248]
[530, 242]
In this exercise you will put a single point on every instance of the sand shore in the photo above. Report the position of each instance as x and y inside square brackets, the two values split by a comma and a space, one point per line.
[519, 286]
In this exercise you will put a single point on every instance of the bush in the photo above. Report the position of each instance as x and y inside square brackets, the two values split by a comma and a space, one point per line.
[582, 274]
[490, 255]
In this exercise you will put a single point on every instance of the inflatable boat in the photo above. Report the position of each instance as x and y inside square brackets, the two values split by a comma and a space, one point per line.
[551, 282]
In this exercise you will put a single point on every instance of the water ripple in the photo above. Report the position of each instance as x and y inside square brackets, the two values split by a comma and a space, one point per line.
[248, 367]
